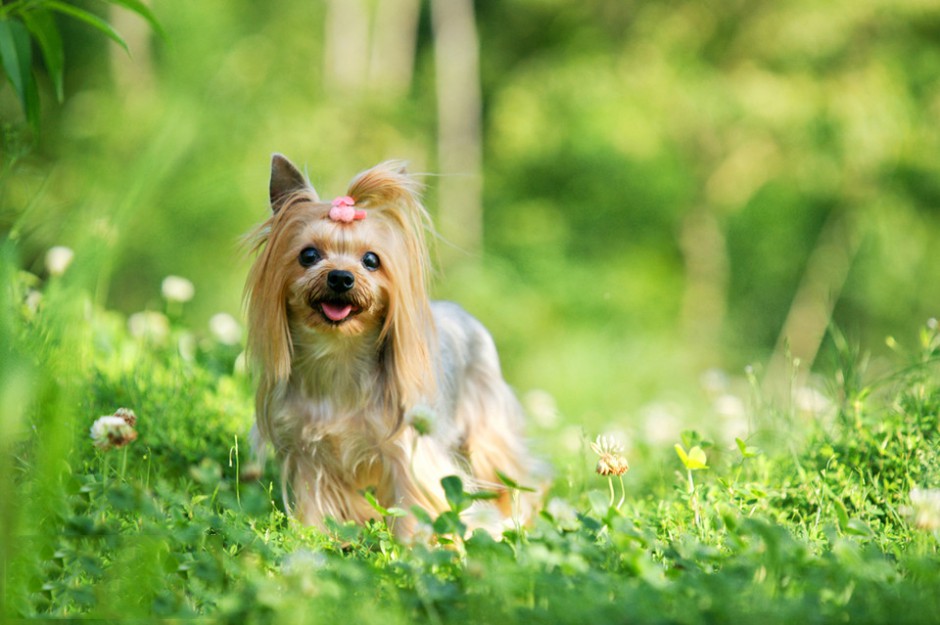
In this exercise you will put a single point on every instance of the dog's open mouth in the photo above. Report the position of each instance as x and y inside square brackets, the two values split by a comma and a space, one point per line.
[338, 311]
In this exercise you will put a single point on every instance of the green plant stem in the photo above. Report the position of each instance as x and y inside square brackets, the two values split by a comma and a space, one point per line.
[14, 7]
[234, 450]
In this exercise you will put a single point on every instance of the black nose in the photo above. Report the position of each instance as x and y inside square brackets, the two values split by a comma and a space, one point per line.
[340, 281]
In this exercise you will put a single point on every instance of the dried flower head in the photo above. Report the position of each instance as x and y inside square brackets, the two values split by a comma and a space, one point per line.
[924, 511]
[112, 432]
[130, 418]
[610, 461]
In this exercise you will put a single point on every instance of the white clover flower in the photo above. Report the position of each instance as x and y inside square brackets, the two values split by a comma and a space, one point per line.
[33, 300]
[177, 289]
[566, 517]
[423, 534]
[810, 401]
[421, 418]
[730, 406]
[111, 432]
[661, 423]
[485, 516]
[714, 381]
[225, 329]
[241, 364]
[924, 511]
[149, 325]
[606, 445]
[58, 259]
[186, 345]
[610, 461]
[541, 405]
[302, 561]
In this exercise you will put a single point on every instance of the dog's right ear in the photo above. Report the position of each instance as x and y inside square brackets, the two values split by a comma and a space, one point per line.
[286, 180]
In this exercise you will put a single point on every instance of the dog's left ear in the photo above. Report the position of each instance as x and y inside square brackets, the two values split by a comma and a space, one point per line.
[286, 180]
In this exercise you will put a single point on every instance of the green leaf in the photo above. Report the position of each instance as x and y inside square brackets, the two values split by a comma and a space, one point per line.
[511, 483]
[855, 527]
[10, 54]
[453, 490]
[694, 460]
[842, 515]
[684, 457]
[144, 11]
[697, 458]
[482, 495]
[17, 59]
[449, 523]
[46, 33]
[746, 450]
[89, 18]
[389, 512]
[370, 497]
[422, 515]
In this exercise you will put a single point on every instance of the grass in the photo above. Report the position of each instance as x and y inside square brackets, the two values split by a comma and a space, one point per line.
[798, 520]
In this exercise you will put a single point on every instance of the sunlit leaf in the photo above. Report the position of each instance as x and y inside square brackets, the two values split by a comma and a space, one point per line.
[684, 457]
[697, 458]
[746, 450]
[694, 460]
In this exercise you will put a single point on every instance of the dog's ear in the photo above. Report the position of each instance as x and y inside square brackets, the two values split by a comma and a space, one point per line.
[286, 180]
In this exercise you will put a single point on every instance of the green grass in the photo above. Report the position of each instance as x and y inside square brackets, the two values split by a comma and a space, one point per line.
[802, 520]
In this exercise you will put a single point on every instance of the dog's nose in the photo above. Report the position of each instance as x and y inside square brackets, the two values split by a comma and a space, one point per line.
[340, 281]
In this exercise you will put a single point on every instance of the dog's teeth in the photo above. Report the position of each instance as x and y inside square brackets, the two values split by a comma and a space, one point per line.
[336, 312]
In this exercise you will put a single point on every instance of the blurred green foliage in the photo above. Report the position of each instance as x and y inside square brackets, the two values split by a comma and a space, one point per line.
[659, 176]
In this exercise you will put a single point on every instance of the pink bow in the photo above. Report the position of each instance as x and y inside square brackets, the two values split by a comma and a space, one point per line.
[344, 210]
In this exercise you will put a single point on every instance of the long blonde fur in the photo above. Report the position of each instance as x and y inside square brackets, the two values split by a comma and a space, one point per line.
[337, 400]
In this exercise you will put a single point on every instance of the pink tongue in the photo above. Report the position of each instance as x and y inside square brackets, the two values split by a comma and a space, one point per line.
[336, 312]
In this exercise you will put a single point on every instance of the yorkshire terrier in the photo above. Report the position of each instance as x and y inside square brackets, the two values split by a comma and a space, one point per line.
[365, 384]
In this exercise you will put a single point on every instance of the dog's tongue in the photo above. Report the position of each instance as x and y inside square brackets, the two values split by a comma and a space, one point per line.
[336, 312]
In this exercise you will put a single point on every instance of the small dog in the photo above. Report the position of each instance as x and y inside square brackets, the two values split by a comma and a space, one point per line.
[365, 384]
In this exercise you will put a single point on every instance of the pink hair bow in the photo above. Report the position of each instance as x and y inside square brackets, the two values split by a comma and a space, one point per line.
[344, 210]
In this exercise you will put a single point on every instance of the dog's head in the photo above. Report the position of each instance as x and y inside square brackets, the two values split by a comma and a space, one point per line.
[352, 268]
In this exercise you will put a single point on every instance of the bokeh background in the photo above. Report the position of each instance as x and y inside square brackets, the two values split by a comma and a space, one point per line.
[640, 198]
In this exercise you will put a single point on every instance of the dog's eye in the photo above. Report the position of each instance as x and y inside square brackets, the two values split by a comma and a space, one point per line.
[370, 261]
[309, 256]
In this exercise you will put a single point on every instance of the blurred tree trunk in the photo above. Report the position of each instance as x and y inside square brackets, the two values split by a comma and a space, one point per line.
[391, 64]
[811, 311]
[459, 111]
[704, 301]
[347, 45]
[132, 72]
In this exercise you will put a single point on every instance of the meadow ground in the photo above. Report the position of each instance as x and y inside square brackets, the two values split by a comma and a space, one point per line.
[828, 518]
